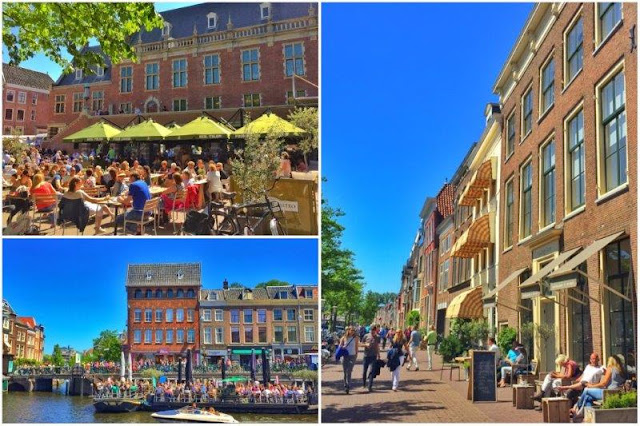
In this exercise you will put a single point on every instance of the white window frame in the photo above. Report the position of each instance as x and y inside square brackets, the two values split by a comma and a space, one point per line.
[179, 72]
[507, 244]
[168, 337]
[33, 115]
[99, 71]
[79, 74]
[568, 198]
[159, 336]
[545, 64]
[147, 75]
[210, 16]
[212, 68]
[541, 187]
[601, 39]
[521, 236]
[309, 329]
[148, 336]
[523, 136]
[250, 63]
[212, 103]
[206, 315]
[34, 99]
[22, 97]
[263, 6]
[137, 336]
[565, 52]
[205, 340]
[219, 332]
[13, 96]
[219, 315]
[186, 104]
[310, 317]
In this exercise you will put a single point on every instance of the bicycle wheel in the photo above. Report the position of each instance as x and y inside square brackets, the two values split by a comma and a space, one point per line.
[226, 224]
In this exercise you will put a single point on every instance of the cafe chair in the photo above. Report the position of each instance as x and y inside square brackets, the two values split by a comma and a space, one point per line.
[149, 215]
[73, 212]
[450, 366]
[179, 204]
[49, 200]
[92, 192]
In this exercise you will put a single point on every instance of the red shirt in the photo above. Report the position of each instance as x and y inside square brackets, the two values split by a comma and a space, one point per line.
[44, 188]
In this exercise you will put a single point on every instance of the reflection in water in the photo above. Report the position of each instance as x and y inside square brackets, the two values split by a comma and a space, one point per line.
[54, 407]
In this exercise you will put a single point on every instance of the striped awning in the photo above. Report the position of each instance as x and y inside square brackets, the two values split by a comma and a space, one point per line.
[477, 237]
[481, 181]
[467, 304]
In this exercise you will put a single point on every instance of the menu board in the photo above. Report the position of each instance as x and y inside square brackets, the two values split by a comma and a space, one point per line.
[483, 376]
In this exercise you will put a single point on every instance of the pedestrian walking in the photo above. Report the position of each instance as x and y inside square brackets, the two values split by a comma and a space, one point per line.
[431, 338]
[414, 344]
[383, 336]
[396, 355]
[371, 355]
[350, 343]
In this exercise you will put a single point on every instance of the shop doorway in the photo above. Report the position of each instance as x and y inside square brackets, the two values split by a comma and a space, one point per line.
[548, 346]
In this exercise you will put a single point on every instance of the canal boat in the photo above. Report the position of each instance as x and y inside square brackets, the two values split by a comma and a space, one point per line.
[117, 405]
[193, 415]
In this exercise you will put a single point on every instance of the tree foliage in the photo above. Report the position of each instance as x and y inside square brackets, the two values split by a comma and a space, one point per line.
[306, 119]
[271, 283]
[413, 319]
[107, 346]
[369, 307]
[236, 285]
[56, 356]
[51, 28]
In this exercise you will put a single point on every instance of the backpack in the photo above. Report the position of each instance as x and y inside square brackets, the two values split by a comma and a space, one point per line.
[197, 223]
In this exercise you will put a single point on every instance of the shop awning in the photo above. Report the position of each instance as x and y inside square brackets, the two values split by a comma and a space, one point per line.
[200, 128]
[269, 122]
[466, 305]
[515, 274]
[146, 131]
[477, 237]
[480, 181]
[97, 132]
[531, 288]
[247, 351]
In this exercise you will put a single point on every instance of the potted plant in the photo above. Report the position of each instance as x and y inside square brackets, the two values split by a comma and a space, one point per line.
[618, 408]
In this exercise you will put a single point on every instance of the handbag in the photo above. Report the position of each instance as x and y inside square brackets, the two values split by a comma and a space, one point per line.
[342, 350]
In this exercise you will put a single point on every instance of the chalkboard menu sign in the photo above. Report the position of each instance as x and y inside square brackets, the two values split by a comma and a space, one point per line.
[483, 376]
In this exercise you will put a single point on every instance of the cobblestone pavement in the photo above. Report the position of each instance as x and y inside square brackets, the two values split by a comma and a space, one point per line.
[421, 398]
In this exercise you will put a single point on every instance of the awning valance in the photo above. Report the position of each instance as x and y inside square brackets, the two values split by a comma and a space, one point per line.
[531, 288]
[146, 131]
[515, 274]
[97, 132]
[477, 237]
[480, 181]
[467, 304]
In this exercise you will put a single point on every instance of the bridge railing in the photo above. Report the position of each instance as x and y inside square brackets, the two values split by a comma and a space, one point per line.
[189, 398]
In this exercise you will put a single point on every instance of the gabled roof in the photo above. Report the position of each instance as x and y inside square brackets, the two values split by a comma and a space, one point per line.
[274, 291]
[164, 274]
[25, 77]
[68, 79]
[28, 321]
[6, 308]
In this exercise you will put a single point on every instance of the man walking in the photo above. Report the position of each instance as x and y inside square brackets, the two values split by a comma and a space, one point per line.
[414, 344]
[371, 344]
[431, 339]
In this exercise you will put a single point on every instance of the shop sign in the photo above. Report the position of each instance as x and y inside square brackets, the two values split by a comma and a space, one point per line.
[286, 205]
[563, 282]
[218, 352]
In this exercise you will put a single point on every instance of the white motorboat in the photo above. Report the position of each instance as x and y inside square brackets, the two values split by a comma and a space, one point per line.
[193, 415]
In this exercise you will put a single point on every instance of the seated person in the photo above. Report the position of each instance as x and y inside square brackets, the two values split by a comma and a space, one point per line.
[137, 196]
[613, 379]
[176, 185]
[520, 359]
[569, 370]
[119, 187]
[42, 187]
[75, 193]
[591, 374]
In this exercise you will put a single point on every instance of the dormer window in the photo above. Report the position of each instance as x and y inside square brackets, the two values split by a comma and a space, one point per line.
[213, 296]
[212, 21]
[265, 11]
[78, 74]
[284, 295]
[166, 30]
[148, 276]
[100, 71]
[180, 274]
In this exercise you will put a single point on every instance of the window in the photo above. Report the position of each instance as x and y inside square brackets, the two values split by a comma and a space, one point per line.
[283, 294]
[148, 314]
[548, 193]
[179, 67]
[218, 314]
[212, 20]
[78, 74]
[179, 315]
[527, 113]
[166, 29]
[511, 134]
[248, 334]
[278, 336]
[148, 294]
[97, 100]
[20, 115]
[59, 104]
[158, 336]
[22, 97]
[444, 273]
[179, 104]
[169, 336]
[618, 311]
[206, 315]
[126, 79]
[158, 294]
[292, 333]
[508, 215]
[147, 336]
[125, 108]
[137, 336]
[169, 294]
[11, 95]
[309, 334]
[137, 294]
[179, 336]
[152, 76]
[190, 315]
[614, 128]
[262, 316]
[235, 335]
[308, 294]
[99, 71]
[291, 314]
[137, 315]
[293, 59]
[158, 315]
[526, 182]
[609, 14]
[191, 293]
[78, 102]
[235, 316]
[34, 99]
[191, 336]
[180, 293]
[206, 337]
[8, 114]
[299, 94]
[169, 315]
[573, 52]
[277, 314]
[547, 85]
[252, 100]
[250, 65]
[248, 316]
[212, 102]
[265, 11]
[308, 314]
[219, 335]
[212, 69]
[575, 146]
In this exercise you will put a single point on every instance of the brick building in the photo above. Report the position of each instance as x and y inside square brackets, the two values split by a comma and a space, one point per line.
[429, 252]
[568, 92]
[208, 57]
[280, 319]
[162, 310]
[26, 102]
[22, 337]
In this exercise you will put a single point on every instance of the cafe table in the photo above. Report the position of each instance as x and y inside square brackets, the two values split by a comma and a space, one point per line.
[113, 202]
[154, 177]
[156, 190]
[200, 183]
[462, 360]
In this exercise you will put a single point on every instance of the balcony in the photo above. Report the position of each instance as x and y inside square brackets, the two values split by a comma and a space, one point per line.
[487, 279]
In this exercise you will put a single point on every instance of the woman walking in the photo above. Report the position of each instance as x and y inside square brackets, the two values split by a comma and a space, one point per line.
[350, 342]
[396, 355]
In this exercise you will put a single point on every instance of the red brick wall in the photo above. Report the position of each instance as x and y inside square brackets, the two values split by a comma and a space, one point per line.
[41, 108]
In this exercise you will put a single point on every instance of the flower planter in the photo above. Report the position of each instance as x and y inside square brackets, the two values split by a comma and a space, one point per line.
[611, 415]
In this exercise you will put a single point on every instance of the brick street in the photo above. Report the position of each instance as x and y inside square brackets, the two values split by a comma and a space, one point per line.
[421, 398]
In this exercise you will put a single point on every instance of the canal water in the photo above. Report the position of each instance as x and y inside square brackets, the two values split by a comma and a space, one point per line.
[54, 407]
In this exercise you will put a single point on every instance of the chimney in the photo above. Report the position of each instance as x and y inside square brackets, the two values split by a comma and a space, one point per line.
[225, 284]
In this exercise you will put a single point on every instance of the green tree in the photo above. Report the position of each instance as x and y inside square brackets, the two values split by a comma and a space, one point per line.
[306, 119]
[56, 356]
[53, 28]
[271, 283]
[369, 307]
[236, 285]
[107, 346]
[413, 319]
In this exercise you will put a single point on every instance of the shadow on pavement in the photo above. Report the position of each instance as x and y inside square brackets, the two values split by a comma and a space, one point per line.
[380, 412]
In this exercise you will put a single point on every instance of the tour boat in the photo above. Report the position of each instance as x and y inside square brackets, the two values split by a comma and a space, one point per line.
[117, 405]
[193, 415]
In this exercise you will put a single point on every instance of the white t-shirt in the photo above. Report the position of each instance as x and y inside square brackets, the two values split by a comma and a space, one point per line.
[213, 177]
[592, 374]
[496, 349]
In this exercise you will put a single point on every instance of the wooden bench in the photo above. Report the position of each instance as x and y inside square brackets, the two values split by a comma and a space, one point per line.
[555, 410]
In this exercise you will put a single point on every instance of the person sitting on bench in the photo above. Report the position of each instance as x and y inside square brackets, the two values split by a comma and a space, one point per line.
[569, 370]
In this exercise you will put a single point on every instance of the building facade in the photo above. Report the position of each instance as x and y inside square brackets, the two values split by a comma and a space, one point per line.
[26, 101]
[163, 319]
[569, 210]
[22, 337]
[208, 57]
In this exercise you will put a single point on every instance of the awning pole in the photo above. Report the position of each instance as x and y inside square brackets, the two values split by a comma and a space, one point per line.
[597, 281]
[586, 295]
[582, 302]
[553, 300]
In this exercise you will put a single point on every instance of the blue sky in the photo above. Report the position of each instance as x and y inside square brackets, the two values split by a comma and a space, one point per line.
[404, 87]
[43, 64]
[75, 287]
